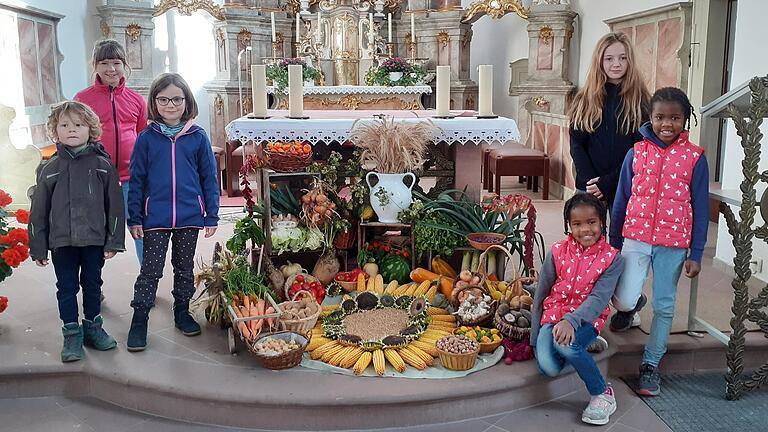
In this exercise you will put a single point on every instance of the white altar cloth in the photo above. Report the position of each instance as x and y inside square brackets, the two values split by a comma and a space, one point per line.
[358, 90]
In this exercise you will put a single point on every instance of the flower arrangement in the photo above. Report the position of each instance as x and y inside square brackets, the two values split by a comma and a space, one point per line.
[396, 71]
[278, 73]
[14, 242]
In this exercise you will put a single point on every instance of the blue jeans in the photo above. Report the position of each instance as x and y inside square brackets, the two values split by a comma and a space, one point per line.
[552, 357]
[667, 264]
[76, 267]
[139, 243]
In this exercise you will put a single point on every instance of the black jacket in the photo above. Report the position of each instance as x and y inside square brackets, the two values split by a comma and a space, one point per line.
[601, 153]
[77, 202]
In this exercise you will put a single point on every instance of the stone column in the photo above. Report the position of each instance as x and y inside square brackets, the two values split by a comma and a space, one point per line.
[130, 23]
[550, 27]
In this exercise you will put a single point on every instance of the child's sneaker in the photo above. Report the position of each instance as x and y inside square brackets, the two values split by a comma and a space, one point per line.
[650, 382]
[600, 408]
[622, 321]
[598, 345]
[73, 343]
[94, 335]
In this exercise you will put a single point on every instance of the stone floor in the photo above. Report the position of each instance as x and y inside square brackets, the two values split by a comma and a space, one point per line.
[30, 341]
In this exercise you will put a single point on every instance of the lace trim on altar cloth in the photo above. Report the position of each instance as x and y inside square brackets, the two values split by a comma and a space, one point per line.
[358, 90]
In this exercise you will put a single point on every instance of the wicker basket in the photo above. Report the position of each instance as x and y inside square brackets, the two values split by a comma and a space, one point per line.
[458, 362]
[301, 325]
[282, 162]
[483, 321]
[472, 239]
[283, 361]
[519, 334]
[289, 281]
[485, 347]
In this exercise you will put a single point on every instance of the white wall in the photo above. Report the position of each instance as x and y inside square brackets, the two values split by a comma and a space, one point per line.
[747, 63]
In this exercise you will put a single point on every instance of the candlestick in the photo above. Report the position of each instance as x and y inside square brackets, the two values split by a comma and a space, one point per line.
[389, 27]
[413, 29]
[485, 90]
[443, 89]
[272, 19]
[259, 89]
[295, 91]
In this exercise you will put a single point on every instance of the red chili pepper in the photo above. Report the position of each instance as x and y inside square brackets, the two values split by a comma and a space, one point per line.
[387, 248]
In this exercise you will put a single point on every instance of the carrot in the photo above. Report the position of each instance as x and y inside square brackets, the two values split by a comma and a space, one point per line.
[247, 303]
[260, 311]
[241, 325]
[270, 310]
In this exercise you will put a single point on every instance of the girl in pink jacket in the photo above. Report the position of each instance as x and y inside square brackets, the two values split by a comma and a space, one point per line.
[122, 111]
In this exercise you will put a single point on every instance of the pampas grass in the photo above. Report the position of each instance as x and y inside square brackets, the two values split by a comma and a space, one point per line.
[392, 147]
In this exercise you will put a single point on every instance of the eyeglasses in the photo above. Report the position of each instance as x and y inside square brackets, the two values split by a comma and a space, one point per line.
[163, 101]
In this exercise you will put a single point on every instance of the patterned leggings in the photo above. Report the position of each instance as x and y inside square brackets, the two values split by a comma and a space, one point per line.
[183, 243]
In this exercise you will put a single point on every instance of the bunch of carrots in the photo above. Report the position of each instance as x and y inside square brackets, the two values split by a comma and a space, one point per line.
[247, 306]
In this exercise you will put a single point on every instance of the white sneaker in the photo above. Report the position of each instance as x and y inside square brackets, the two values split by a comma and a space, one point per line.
[598, 345]
[600, 408]
[635, 320]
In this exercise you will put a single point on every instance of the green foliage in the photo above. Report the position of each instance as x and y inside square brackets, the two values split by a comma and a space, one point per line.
[412, 74]
[247, 228]
[278, 73]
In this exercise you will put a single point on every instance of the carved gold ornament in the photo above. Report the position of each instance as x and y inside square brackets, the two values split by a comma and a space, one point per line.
[104, 28]
[540, 101]
[545, 34]
[133, 31]
[243, 38]
[443, 38]
[495, 9]
[353, 102]
[187, 7]
[279, 38]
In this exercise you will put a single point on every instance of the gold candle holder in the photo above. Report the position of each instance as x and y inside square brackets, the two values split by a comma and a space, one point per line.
[275, 46]
[412, 48]
[390, 49]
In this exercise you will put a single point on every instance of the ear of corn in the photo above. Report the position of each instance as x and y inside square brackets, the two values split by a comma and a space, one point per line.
[427, 347]
[446, 318]
[412, 359]
[328, 355]
[362, 363]
[435, 333]
[317, 342]
[431, 311]
[379, 363]
[360, 282]
[318, 352]
[431, 293]
[391, 287]
[371, 284]
[378, 284]
[423, 355]
[336, 359]
[411, 289]
[422, 288]
[351, 358]
[395, 360]
[402, 289]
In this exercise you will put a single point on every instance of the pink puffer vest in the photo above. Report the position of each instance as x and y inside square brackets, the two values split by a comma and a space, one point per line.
[659, 210]
[577, 271]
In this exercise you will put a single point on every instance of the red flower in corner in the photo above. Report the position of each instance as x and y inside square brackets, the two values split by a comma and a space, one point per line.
[3, 303]
[5, 199]
[22, 216]
[18, 236]
[12, 256]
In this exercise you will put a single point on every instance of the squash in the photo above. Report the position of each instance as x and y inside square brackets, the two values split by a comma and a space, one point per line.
[421, 274]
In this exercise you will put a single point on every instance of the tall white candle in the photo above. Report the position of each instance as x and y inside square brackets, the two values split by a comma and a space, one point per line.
[318, 35]
[485, 90]
[259, 86]
[295, 91]
[443, 89]
[298, 29]
[272, 19]
[413, 29]
[370, 30]
[389, 27]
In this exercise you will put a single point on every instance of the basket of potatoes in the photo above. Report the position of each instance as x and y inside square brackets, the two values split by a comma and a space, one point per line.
[514, 322]
[279, 350]
[300, 315]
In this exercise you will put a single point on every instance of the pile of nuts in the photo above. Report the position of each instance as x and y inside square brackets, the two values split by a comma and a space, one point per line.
[274, 346]
[457, 344]
[296, 310]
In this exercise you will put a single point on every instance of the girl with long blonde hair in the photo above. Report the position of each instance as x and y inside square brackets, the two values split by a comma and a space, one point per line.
[606, 115]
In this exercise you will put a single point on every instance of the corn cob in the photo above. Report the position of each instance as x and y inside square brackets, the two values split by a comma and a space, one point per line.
[432, 311]
[391, 287]
[429, 340]
[434, 333]
[328, 355]
[379, 362]
[351, 358]
[423, 355]
[447, 318]
[378, 284]
[395, 360]
[401, 289]
[427, 347]
[371, 284]
[362, 363]
[422, 288]
[411, 289]
[329, 308]
[360, 282]
[412, 359]
[441, 326]
[431, 293]
[318, 352]
[317, 342]
[336, 359]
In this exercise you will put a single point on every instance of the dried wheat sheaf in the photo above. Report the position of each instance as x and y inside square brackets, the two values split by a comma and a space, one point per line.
[392, 147]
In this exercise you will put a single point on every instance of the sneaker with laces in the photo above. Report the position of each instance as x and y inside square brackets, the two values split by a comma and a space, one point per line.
[600, 408]
[623, 321]
[650, 382]
[598, 345]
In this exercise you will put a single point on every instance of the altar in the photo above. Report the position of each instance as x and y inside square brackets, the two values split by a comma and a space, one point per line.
[462, 134]
[351, 97]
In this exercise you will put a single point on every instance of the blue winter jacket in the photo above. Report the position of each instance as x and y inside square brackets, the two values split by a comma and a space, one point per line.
[173, 180]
